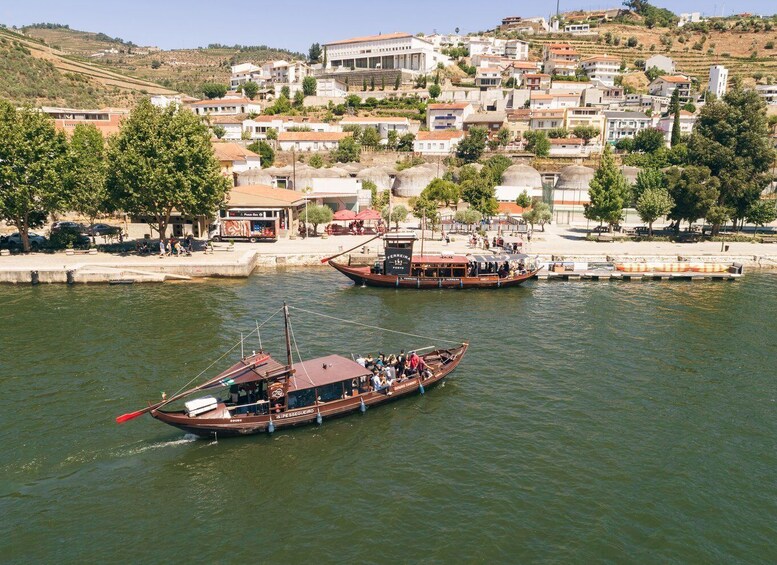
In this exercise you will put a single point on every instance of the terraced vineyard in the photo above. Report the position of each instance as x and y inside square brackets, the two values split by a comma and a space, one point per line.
[734, 50]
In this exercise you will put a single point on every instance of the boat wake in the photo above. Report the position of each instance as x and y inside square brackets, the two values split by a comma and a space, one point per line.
[188, 438]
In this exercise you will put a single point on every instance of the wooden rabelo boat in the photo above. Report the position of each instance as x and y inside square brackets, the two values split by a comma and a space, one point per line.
[401, 269]
[260, 394]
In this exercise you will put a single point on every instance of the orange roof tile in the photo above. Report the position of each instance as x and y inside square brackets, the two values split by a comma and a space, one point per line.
[226, 151]
[372, 120]
[605, 58]
[566, 141]
[677, 79]
[439, 135]
[223, 102]
[260, 195]
[105, 127]
[397, 35]
[453, 106]
[510, 208]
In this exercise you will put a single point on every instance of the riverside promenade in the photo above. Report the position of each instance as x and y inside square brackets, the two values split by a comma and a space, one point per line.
[557, 243]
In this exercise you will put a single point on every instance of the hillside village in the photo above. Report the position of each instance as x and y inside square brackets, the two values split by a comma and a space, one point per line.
[393, 109]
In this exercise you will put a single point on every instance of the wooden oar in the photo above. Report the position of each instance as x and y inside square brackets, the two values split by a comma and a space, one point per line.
[327, 259]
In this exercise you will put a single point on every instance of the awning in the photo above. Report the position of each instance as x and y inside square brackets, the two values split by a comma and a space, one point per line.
[344, 215]
[368, 215]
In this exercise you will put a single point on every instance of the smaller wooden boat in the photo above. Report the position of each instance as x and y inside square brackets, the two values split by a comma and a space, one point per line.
[401, 269]
[263, 394]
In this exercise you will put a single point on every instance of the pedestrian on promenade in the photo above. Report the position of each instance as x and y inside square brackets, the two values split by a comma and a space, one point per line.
[161, 247]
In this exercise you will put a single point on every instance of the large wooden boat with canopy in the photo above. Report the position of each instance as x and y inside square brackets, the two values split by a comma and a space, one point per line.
[261, 394]
[399, 268]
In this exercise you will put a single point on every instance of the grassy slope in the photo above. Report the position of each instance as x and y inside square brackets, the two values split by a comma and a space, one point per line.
[182, 70]
[732, 49]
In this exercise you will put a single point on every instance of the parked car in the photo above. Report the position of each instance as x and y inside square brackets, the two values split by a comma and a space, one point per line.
[36, 241]
[70, 226]
[103, 229]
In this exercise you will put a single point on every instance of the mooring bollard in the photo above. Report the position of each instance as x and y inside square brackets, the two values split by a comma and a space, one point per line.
[34, 277]
[70, 278]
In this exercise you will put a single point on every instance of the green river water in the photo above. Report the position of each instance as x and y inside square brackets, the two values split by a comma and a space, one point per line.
[603, 421]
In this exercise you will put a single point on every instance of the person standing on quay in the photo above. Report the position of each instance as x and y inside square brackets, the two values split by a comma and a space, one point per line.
[161, 247]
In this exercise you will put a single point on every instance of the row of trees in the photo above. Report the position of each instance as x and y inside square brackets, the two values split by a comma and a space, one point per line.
[161, 160]
[718, 173]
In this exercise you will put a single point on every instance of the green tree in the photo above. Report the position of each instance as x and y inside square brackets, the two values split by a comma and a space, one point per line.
[364, 84]
[309, 86]
[280, 106]
[156, 63]
[480, 195]
[625, 144]
[87, 170]
[468, 217]
[398, 214]
[316, 161]
[286, 92]
[397, 81]
[314, 53]
[557, 133]
[392, 140]
[434, 91]
[251, 89]
[674, 109]
[761, 213]
[370, 137]
[472, 146]
[405, 142]
[654, 203]
[353, 101]
[537, 142]
[265, 151]
[731, 138]
[162, 160]
[494, 167]
[442, 191]
[213, 90]
[647, 178]
[523, 200]
[318, 215]
[219, 131]
[299, 99]
[32, 164]
[426, 211]
[372, 82]
[348, 150]
[694, 191]
[382, 82]
[649, 140]
[504, 136]
[608, 191]
[538, 214]
[272, 134]
[586, 133]
[653, 73]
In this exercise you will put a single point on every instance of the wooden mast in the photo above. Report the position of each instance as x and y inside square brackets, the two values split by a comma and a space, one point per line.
[289, 360]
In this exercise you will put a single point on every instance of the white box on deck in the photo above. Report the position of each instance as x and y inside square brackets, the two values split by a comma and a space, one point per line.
[200, 405]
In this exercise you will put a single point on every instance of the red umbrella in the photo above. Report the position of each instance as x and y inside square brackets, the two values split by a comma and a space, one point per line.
[344, 215]
[368, 215]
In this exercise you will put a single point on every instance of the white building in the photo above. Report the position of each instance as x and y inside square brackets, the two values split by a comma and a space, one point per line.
[310, 140]
[603, 68]
[387, 51]
[662, 63]
[330, 87]
[689, 18]
[447, 116]
[768, 92]
[666, 85]
[284, 72]
[245, 72]
[577, 29]
[516, 49]
[233, 126]
[687, 121]
[163, 101]
[437, 142]
[488, 77]
[258, 127]
[718, 80]
[235, 158]
[383, 124]
[225, 106]
[624, 124]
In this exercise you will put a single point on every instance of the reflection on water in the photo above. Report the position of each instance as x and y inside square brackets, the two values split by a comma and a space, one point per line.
[630, 421]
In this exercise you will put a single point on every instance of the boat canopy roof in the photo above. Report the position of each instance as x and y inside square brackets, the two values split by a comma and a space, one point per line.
[498, 258]
[325, 370]
[307, 374]
[440, 259]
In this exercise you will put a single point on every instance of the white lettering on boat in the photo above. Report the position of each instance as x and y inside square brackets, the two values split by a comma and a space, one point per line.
[294, 414]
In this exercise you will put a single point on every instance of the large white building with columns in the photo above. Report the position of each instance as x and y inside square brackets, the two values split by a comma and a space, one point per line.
[387, 51]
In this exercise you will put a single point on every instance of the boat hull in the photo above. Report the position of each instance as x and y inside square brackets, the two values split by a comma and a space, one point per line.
[221, 424]
[363, 276]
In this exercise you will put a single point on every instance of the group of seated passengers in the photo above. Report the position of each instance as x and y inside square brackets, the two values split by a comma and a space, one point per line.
[245, 394]
[386, 370]
[504, 270]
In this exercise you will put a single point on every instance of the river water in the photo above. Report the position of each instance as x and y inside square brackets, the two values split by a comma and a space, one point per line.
[589, 421]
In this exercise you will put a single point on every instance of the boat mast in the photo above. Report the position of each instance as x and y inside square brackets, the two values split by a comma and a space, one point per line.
[289, 361]
[423, 229]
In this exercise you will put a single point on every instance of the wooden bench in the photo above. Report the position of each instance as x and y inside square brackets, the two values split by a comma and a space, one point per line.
[605, 237]
[769, 239]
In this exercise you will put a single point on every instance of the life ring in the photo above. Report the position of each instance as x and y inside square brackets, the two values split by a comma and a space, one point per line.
[276, 391]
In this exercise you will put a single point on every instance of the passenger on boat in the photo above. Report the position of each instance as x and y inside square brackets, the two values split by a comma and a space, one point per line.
[401, 362]
[369, 362]
[376, 385]
[361, 361]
